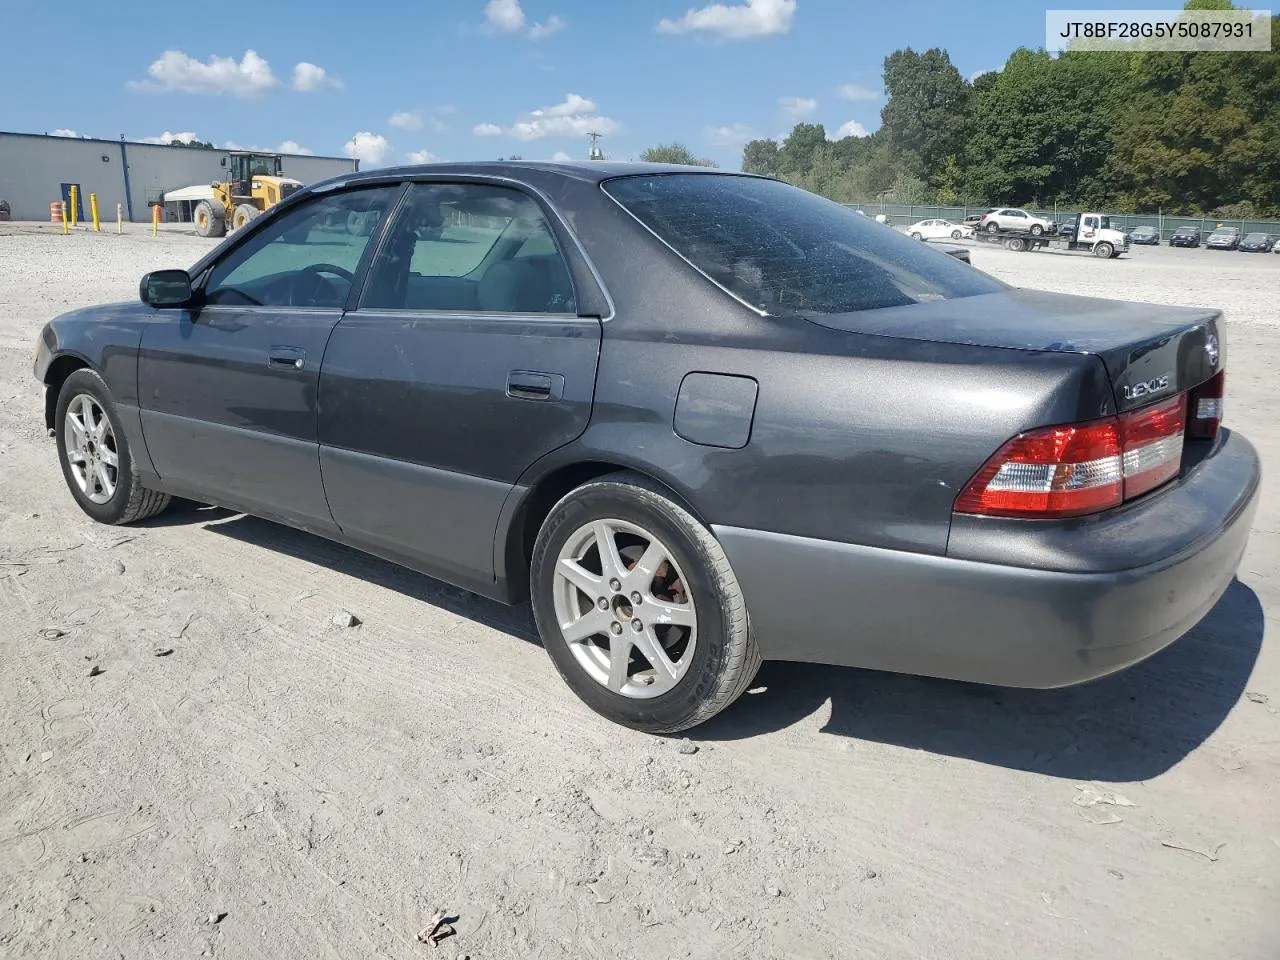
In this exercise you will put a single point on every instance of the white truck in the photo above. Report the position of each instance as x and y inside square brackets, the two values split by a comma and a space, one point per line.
[1093, 233]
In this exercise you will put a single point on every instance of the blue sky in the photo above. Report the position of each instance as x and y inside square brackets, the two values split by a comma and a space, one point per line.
[398, 80]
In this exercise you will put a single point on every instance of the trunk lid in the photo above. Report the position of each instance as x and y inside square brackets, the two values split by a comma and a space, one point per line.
[1150, 351]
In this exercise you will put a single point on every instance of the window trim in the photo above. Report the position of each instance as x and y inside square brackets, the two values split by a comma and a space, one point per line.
[261, 223]
[356, 297]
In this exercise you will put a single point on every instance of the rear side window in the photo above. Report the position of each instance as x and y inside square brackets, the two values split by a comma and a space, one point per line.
[469, 247]
[786, 251]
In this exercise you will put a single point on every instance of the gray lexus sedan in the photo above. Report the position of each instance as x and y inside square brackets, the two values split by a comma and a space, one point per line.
[700, 419]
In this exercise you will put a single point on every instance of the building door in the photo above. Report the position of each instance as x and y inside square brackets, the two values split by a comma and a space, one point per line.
[66, 200]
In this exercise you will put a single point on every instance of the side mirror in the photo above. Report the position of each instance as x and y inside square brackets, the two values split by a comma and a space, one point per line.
[166, 288]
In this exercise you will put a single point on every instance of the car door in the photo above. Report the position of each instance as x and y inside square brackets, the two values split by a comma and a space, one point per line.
[464, 362]
[228, 387]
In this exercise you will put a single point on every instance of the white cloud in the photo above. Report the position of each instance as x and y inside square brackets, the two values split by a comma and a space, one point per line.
[855, 91]
[178, 71]
[977, 73]
[369, 148]
[185, 137]
[406, 120]
[540, 31]
[446, 109]
[797, 108]
[734, 135]
[308, 78]
[421, 156]
[742, 21]
[415, 120]
[575, 116]
[233, 145]
[293, 146]
[64, 132]
[573, 104]
[507, 16]
[561, 157]
[851, 129]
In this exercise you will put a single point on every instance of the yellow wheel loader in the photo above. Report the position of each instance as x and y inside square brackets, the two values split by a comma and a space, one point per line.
[254, 183]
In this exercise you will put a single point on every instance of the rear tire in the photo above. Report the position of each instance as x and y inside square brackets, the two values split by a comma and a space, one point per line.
[663, 554]
[211, 218]
[243, 215]
[89, 437]
[992, 228]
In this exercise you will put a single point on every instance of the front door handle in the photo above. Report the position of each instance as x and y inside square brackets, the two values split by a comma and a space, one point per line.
[290, 357]
[532, 385]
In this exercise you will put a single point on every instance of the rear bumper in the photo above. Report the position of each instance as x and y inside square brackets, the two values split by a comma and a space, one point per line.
[826, 602]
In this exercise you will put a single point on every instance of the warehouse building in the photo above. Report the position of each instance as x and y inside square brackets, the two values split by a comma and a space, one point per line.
[36, 170]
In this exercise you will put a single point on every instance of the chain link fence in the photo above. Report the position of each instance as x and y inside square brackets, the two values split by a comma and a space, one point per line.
[904, 214]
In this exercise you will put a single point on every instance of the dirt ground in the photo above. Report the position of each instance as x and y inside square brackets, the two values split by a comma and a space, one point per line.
[279, 786]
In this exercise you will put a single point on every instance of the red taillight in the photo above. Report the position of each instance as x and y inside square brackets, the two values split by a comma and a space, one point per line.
[1080, 468]
[1152, 442]
[1205, 417]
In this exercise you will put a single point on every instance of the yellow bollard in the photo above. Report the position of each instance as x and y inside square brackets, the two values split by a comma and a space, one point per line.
[64, 219]
[155, 221]
[119, 218]
[93, 209]
[75, 196]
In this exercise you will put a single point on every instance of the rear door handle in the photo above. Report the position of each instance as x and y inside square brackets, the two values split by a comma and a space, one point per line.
[291, 357]
[532, 385]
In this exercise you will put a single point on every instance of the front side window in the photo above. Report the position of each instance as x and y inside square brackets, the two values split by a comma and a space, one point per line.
[307, 256]
[470, 247]
[786, 251]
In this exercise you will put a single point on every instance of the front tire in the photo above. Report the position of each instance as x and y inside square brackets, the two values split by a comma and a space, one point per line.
[1103, 251]
[638, 607]
[1037, 230]
[95, 457]
[955, 234]
[917, 236]
[243, 215]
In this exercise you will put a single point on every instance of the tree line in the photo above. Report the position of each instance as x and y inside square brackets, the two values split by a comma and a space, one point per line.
[1189, 133]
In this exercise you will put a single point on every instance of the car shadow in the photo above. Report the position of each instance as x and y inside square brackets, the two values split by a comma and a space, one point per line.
[516, 621]
[1129, 726]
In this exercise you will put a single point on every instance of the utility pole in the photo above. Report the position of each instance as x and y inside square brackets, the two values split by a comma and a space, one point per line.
[596, 153]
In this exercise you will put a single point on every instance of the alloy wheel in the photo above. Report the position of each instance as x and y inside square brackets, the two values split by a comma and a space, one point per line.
[624, 609]
[91, 449]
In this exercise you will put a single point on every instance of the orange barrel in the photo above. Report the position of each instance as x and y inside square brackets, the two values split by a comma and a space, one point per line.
[55, 211]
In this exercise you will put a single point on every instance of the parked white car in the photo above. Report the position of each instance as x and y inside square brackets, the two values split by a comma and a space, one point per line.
[939, 230]
[1011, 218]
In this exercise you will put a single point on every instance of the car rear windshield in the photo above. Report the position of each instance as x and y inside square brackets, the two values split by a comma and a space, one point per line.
[786, 251]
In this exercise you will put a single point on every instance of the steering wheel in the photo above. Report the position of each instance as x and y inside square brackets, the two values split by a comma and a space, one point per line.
[307, 285]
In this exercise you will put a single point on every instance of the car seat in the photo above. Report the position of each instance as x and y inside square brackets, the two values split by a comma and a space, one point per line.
[514, 286]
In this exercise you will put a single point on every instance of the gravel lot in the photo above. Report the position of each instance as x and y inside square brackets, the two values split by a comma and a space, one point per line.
[281, 787]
